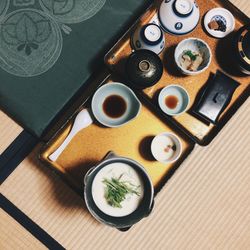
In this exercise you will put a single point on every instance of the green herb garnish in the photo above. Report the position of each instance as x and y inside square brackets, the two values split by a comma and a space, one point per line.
[190, 54]
[116, 191]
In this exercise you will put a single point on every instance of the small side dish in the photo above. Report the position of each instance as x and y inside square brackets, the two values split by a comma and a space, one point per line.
[173, 100]
[219, 22]
[166, 147]
[191, 60]
[192, 56]
[117, 189]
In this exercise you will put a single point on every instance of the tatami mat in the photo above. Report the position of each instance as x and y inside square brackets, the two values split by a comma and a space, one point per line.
[9, 130]
[14, 236]
[205, 205]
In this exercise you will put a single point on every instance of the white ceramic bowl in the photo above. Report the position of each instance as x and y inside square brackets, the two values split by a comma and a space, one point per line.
[219, 14]
[182, 96]
[150, 37]
[179, 17]
[133, 105]
[196, 45]
[160, 142]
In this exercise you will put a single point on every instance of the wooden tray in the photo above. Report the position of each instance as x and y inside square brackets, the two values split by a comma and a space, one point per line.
[199, 131]
[132, 140]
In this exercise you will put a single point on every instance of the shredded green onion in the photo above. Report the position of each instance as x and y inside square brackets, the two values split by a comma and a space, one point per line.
[116, 191]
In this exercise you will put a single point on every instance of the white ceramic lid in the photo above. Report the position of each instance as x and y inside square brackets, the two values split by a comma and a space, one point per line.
[223, 15]
[152, 33]
[179, 17]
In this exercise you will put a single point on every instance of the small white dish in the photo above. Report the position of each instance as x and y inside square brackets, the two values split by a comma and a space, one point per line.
[195, 45]
[181, 95]
[150, 37]
[129, 99]
[223, 15]
[166, 147]
[179, 17]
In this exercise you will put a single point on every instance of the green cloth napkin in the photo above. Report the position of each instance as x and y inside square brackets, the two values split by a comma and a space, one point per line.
[49, 48]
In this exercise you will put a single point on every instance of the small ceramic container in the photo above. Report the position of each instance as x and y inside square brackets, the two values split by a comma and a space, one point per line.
[182, 100]
[133, 105]
[143, 69]
[150, 37]
[179, 17]
[166, 147]
[195, 45]
[223, 18]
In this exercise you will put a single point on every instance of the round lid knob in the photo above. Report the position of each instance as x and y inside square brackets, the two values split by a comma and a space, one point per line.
[184, 7]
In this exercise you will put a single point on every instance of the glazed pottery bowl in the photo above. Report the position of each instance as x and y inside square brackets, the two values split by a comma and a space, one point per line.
[161, 142]
[143, 210]
[130, 101]
[196, 45]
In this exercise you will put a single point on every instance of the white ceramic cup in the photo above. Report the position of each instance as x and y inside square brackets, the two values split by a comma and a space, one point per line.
[160, 142]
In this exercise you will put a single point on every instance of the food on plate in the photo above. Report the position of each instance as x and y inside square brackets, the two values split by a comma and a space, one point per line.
[117, 189]
[165, 147]
[191, 60]
[218, 25]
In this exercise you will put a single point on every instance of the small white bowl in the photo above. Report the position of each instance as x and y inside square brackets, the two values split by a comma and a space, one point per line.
[219, 14]
[150, 37]
[182, 96]
[196, 45]
[161, 142]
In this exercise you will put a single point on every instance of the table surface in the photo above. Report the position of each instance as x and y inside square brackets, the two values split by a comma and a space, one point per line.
[205, 205]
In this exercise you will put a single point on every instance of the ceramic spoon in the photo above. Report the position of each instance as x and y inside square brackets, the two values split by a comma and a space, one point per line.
[82, 120]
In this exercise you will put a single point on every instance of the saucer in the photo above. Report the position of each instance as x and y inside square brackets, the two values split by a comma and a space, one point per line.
[224, 17]
[182, 99]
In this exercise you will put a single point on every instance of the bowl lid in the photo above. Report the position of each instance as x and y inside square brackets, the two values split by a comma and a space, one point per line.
[244, 44]
[143, 68]
[151, 34]
[179, 17]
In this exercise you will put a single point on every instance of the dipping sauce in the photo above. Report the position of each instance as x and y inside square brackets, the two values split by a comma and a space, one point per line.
[114, 106]
[126, 174]
[171, 101]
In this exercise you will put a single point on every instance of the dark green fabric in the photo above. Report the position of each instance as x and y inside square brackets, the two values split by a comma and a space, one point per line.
[35, 101]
